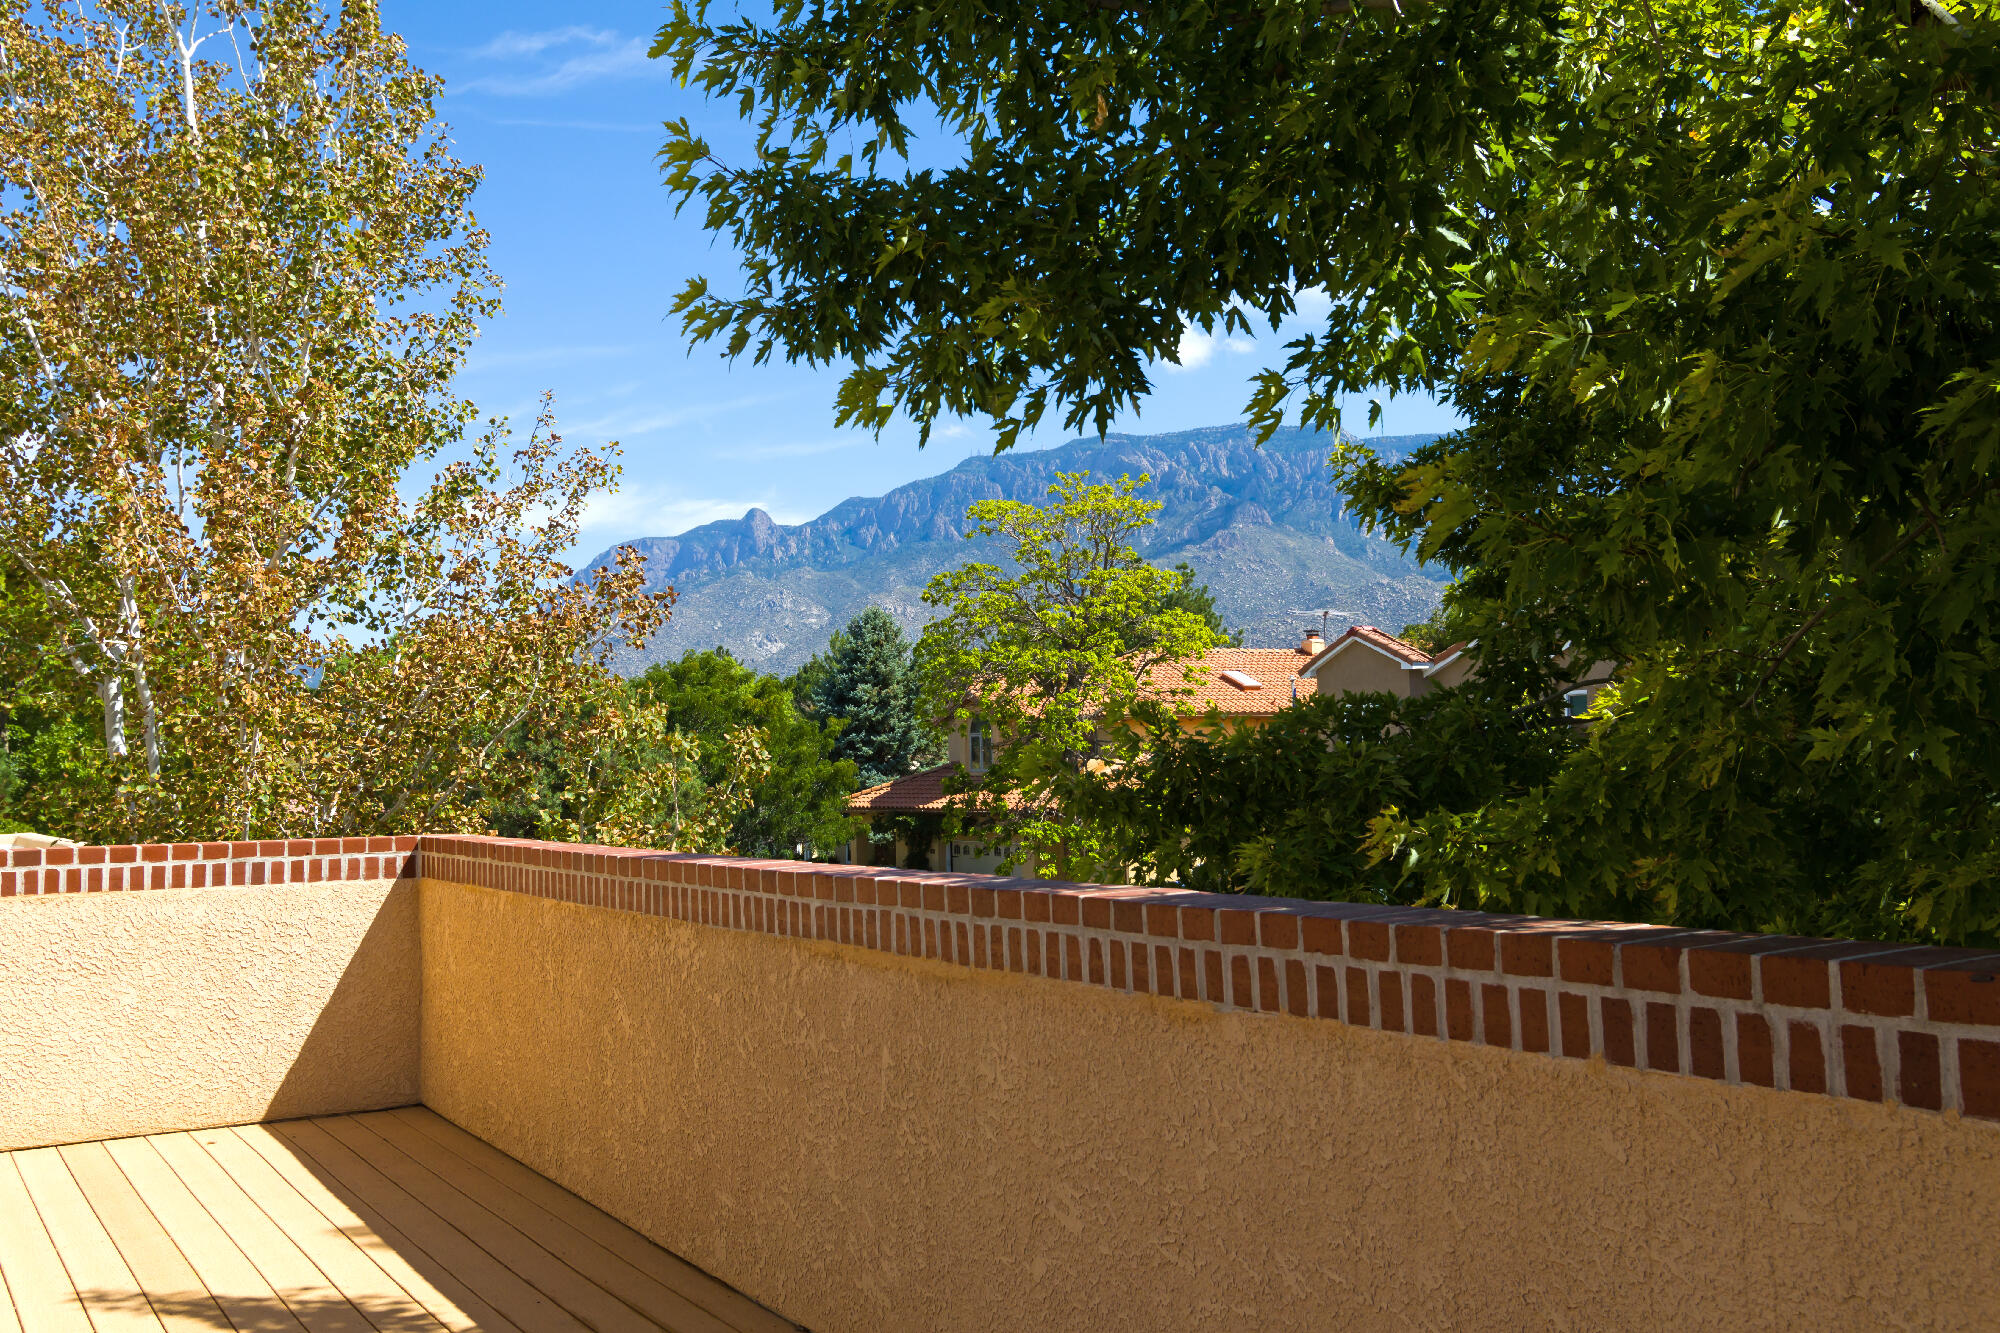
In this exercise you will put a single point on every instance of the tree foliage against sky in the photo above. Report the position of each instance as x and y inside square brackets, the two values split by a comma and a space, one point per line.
[1712, 281]
[1053, 654]
[237, 276]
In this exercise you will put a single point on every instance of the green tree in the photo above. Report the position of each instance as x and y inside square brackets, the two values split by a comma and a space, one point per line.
[867, 684]
[799, 801]
[1712, 281]
[1053, 656]
[698, 754]
[238, 275]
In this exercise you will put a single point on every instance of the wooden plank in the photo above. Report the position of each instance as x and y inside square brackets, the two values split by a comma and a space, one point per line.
[43, 1296]
[249, 1301]
[511, 1295]
[583, 1298]
[172, 1288]
[296, 1279]
[449, 1301]
[9, 1321]
[651, 1298]
[96, 1270]
[711, 1293]
[352, 1272]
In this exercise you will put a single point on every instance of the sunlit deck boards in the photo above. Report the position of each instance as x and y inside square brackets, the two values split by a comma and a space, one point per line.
[386, 1222]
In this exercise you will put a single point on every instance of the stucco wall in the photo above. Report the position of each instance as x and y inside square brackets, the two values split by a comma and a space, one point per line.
[1358, 667]
[868, 1142]
[140, 1012]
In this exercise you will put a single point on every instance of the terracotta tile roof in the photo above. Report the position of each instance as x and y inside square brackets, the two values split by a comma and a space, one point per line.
[1274, 670]
[1382, 640]
[913, 792]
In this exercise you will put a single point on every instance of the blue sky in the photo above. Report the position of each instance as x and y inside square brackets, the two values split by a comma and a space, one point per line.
[560, 105]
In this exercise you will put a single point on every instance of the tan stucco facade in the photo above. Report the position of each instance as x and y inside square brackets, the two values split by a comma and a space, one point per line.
[136, 1013]
[868, 1142]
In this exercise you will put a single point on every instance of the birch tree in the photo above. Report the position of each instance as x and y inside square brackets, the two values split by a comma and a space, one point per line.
[238, 272]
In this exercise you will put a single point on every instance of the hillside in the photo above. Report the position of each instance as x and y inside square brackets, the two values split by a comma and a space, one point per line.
[1263, 527]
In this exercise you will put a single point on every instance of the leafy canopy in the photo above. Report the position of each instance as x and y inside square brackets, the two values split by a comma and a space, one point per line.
[1712, 281]
[865, 683]
[237, 277]
[1054, 654]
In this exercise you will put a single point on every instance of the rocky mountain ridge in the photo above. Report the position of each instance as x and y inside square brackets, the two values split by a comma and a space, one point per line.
[1263, 527]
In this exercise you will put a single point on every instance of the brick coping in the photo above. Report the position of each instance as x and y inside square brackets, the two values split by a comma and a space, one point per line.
[1914, 1025]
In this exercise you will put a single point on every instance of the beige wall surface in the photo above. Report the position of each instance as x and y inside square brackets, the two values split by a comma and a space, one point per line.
[1358, 668]
[868, 1142]
[141, 1012]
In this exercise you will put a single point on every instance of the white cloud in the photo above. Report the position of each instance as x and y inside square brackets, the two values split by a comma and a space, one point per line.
[1312, 304]
[604, 55]
[1197, 349]
[660, 511]
[511, 44]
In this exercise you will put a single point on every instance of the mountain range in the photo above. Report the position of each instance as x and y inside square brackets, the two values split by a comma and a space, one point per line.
[1262, 526]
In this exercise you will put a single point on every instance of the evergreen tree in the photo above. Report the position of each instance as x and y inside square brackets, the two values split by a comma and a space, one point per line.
[1197, 600]
[867, 683]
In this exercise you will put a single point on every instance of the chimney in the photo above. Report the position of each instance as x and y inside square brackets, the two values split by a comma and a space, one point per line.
[1314, 641]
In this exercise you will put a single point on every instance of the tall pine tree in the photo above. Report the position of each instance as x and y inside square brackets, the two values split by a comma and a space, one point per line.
[866, 682]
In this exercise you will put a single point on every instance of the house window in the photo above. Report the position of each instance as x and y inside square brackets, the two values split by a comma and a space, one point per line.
[979, 747]
[1576, 703]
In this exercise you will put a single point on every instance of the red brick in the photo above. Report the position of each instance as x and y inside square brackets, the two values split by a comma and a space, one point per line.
[1162, 919]
[1190, 974]
[1885, 988]
[1036, 907]
[1279, 930]
[1096, 913]
[1295, 987]
[1525, 955]
[1368, 939]
[1065, 908]
[1327, 981]
[1128, 917]
[1239, 982]
[1861, 1063]
[1534, 1019]
[1423, 1006]
[1808, 1059]
[1267, 986]
[1419, 946]
[1652, 967]
[1964, 994]
[1754, 1062]
[1237, 927]
[1389, 992]
[1117, 948]
[1198, 923]
[1211, 976]
[1322, 934]
[1726, 976]
[1616, 1016]
[1705, 1044]
[1457, 1009]
[1499, 1026]
[1663, 1038]
[1573, 1012]
[1469, 948]
[1922, 1082]
[1586, 962]
[1979, 1077]
[1796, 981]
[1357, 997]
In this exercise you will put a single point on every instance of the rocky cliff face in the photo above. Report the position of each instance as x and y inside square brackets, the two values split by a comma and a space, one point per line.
[1263, 527]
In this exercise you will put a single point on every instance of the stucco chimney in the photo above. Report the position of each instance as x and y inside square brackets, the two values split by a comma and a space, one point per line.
[1312, 643]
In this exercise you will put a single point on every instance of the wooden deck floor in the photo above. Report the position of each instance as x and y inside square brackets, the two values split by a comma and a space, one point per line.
[391, 1221]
